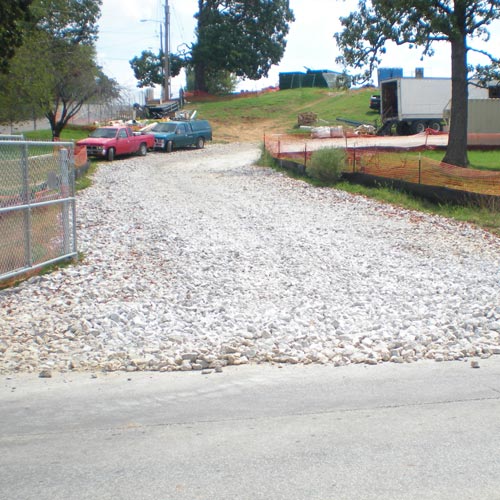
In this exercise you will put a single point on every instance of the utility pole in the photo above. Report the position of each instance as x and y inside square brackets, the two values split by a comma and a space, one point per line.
[166, 62]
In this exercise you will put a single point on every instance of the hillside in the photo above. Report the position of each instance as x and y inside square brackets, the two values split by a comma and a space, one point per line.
[248, 118]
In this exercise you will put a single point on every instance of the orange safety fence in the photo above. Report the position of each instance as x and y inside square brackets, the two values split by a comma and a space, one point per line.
[80, 156]
[420, 170]
[378, 157]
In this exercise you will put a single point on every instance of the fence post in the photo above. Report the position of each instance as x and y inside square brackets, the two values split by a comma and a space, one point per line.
[28, 254]
[305, 155]
[420, 168]
[65, 191]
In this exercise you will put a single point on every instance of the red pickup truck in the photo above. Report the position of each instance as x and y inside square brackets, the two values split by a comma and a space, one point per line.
[109, 142]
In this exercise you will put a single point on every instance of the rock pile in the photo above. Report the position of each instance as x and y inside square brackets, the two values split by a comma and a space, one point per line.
[197, 259]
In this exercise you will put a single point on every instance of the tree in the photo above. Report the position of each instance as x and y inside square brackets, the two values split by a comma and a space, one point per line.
[28, 83]
[77, 81]
[55, 72]
[243, 38]
[149, 68]
[71, 21]
[70, 29]
[218, 83]
[12, 16]
[420, 23]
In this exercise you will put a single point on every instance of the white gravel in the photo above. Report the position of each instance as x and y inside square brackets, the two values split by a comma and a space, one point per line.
[198, 259]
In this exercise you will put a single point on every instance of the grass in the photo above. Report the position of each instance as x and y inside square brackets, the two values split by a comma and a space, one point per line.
[86, 181]
[480, 160]
[69, 134]
[283, 107]
[481, 217]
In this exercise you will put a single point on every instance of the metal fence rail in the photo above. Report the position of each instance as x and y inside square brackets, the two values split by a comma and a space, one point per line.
[37, 205]
[11, 137]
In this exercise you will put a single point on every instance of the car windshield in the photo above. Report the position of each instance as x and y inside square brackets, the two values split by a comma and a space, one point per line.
[104, 133]
[164, 127]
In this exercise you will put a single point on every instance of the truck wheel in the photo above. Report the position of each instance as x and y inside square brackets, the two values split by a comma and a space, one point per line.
[143, 149]
[435, 126]
[402, 128]
[111, 154]
[418, 127]
[169, 146]
[200, 143]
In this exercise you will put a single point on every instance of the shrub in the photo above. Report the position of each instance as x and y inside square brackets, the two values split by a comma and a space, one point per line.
[327, 164]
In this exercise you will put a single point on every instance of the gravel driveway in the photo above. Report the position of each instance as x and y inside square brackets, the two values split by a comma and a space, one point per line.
[198, 259]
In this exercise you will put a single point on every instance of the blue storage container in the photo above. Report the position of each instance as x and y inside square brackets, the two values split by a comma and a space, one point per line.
[388, 73]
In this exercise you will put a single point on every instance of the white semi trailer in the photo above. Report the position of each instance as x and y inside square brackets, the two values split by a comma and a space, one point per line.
[413, 104]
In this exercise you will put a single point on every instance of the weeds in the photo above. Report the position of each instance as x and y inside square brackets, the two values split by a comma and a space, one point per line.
[327, 165]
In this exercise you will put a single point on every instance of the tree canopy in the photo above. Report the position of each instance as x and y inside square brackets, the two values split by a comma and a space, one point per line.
[421, 23]
[235, 39]
[54, 71]
[243, 38]
[149, 68]
[71, 21]
[13, 15]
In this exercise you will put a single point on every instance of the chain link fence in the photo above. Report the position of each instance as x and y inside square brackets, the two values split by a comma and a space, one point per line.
[37, 205]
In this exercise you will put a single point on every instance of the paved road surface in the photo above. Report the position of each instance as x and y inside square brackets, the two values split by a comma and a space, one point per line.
[419, 431]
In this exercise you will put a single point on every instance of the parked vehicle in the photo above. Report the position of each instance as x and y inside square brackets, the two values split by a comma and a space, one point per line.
[375, 102]
[415, 104]
[109, 142]
[177, 134]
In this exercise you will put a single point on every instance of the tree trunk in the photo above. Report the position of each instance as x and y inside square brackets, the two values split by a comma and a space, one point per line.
[56, 132]
[199, 65]
[456, 154]
[56, 125]
[200, 81]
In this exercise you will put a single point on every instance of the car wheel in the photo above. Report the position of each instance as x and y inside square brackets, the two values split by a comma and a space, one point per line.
[169, 146]
[111, 154]
[200, 143]
[143, 149]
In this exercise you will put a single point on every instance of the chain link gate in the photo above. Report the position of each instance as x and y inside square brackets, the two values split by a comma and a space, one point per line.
[37, 205]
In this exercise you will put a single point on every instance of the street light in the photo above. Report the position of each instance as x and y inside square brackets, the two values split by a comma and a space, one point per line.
[166, 62]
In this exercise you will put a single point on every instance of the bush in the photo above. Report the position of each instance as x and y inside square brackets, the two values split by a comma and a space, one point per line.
[327, 164]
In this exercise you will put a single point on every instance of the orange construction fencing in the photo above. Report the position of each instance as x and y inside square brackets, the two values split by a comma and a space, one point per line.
[382, 158]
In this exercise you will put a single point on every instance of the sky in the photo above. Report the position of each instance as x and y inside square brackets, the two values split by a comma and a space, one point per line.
[127, 27]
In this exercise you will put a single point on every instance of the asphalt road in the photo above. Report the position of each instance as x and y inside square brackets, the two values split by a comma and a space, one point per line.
[421, 431]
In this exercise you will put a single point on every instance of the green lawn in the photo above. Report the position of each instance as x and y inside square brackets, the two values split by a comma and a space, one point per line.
[68, 134]
[481, 160]
[284, 106]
